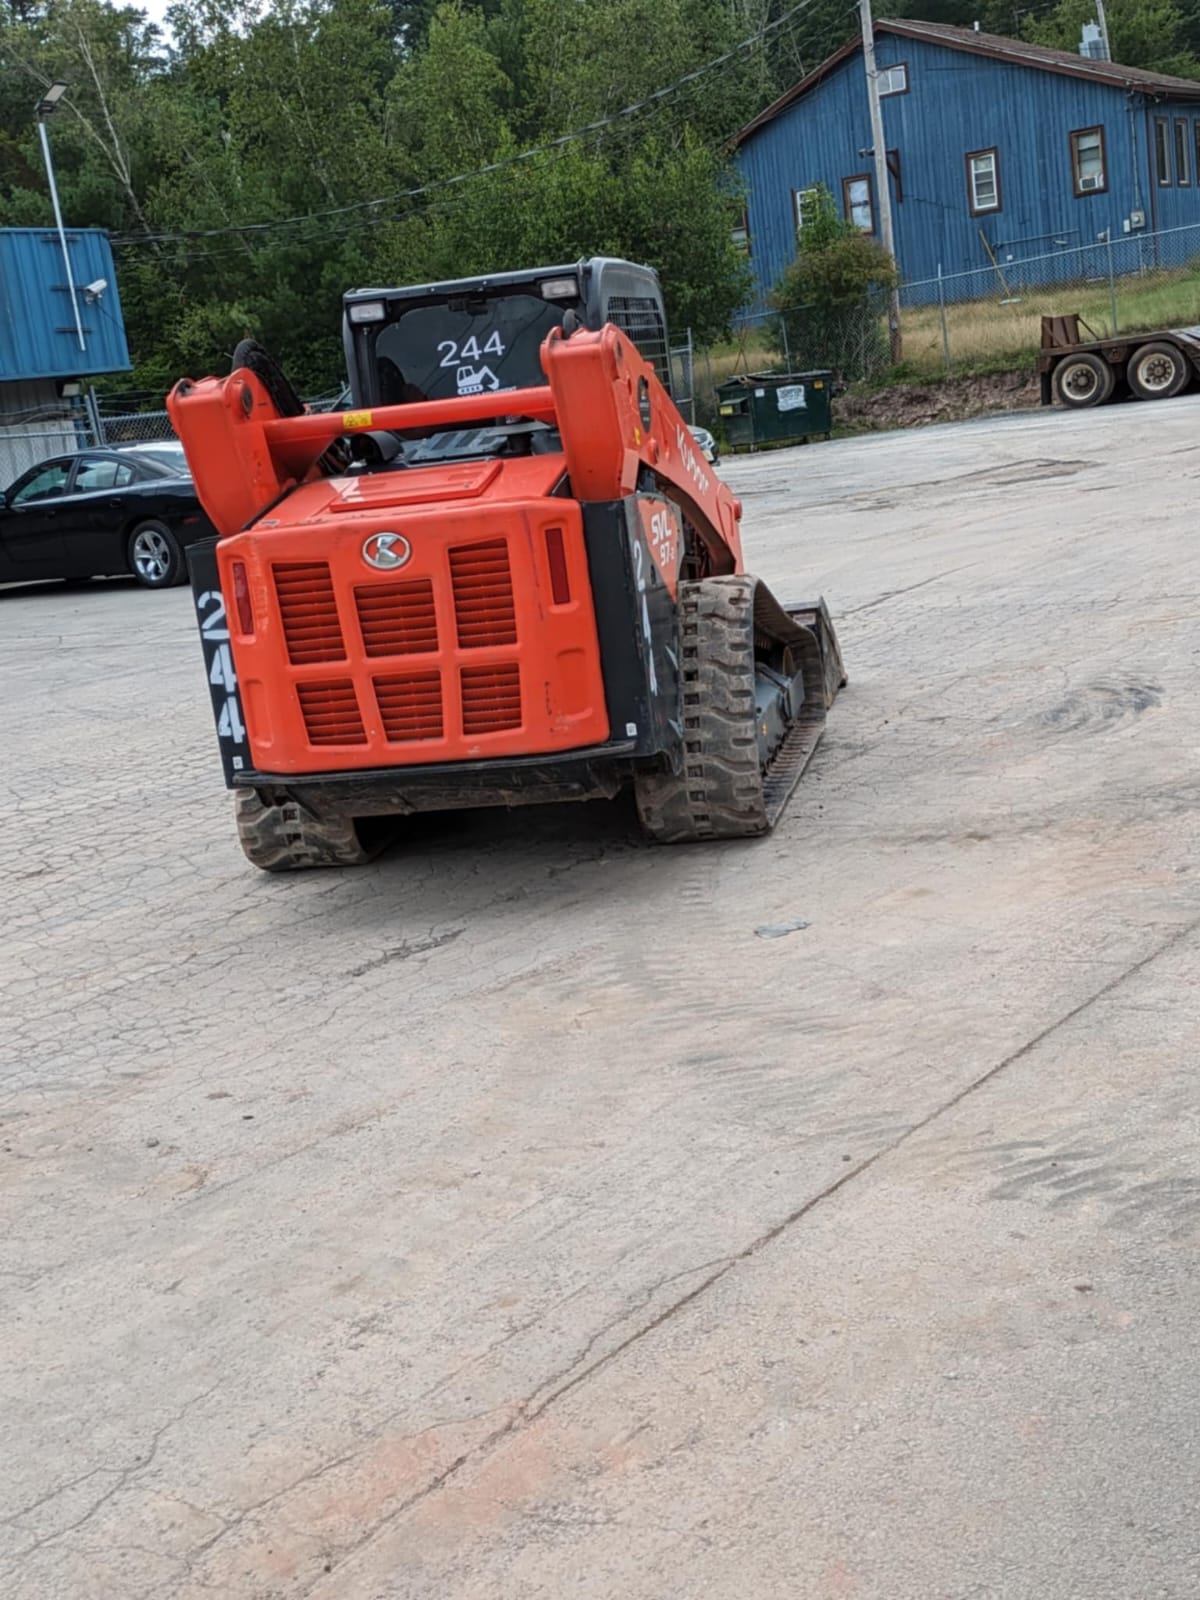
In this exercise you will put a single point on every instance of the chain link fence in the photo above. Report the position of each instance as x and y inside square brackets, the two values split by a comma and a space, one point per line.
[37, 433]
[979, 320]
[133, 427]
[989, 318]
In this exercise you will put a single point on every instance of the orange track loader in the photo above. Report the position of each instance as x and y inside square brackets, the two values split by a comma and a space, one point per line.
[507, 575]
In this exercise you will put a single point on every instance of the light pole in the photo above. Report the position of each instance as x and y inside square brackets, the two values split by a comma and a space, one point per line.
[45, 108]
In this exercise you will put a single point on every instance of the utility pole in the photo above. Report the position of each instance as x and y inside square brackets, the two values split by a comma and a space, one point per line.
[1103, 21]
[45, 108]
[882, 180]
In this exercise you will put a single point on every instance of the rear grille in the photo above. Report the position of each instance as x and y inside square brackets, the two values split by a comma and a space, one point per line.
[397, 619]
[309, 612]
[410, 707]
[491, 698]
[331, 714]
[483, 595]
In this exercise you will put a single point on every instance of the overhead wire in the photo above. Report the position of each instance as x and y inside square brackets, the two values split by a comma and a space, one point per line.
[549, 148]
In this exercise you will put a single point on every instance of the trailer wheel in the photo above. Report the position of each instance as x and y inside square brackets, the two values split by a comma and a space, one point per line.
[1158, 371]
[1083, 380]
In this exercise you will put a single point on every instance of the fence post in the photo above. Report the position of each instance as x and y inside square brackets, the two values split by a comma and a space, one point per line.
[1112, 281]
[942, 312]
[93, 411]
[787, 355]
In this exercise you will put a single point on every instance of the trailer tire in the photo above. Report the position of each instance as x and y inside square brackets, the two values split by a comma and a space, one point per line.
[1083, 380]
[1158, 371]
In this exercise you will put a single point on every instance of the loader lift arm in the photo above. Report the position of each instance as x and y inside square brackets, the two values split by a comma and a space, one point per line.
[616, 421]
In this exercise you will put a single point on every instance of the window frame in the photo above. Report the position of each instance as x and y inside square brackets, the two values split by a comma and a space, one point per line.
[895, 66]
[742, 227]
[1182, 148]
[1162, 152]
[797, 208]
[1076, 176]
[847, 208]
[976, 155]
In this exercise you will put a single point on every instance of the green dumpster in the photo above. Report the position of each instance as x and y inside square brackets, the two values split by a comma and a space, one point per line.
[766, 408]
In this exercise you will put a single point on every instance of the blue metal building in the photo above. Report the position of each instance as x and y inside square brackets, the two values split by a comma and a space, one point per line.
[43, 353]
[992, 145]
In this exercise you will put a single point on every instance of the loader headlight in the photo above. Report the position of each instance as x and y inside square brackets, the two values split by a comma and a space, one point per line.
[367, 311]
[560, 288]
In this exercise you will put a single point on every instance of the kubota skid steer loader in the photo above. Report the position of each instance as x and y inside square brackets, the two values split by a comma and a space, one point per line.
[506, 576]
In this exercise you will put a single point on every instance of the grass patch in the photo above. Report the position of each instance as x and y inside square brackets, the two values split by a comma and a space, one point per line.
[987, 336]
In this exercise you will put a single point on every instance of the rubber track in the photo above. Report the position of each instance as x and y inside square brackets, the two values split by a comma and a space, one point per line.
[722, 793]
[287, 839]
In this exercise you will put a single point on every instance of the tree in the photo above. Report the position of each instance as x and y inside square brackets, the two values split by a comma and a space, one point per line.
[833, 295]
[1142, 33]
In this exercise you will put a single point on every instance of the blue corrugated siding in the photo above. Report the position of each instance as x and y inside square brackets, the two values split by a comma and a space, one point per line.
[37, 329]
[959, 102]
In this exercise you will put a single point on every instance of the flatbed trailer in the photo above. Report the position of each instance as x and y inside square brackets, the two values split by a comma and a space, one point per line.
[1078, 372]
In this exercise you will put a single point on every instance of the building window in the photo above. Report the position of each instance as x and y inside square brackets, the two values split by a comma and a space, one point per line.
[741, 233]
[801, 199]
[983, 182]
[1196, 147]
[1183, 154]
[1162, 151]
[1087, 161]
[893, 80]
[858, 202]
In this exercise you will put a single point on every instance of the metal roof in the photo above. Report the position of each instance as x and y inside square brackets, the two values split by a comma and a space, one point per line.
[37, 329]
[1015, 51]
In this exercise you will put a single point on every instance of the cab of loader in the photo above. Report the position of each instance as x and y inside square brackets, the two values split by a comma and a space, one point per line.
[475, 336]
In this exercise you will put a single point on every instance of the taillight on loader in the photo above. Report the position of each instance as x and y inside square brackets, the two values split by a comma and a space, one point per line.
[241, 599]
[556, 555]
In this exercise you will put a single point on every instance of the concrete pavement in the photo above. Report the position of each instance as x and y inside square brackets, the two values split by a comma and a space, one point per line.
[509, 1218]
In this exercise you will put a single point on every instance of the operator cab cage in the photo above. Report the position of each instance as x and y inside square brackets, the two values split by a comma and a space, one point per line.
[471, 336]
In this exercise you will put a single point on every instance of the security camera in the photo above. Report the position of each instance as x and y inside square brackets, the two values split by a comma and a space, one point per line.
[93, 291]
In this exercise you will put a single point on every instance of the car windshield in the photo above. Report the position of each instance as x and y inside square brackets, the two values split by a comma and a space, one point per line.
[435, 352]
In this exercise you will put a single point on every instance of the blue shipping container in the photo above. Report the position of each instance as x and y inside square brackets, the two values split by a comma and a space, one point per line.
[38, 337]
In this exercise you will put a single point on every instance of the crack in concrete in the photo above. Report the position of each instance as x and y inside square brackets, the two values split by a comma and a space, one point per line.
[573, 1374]
[124, 1476]
[406, 951]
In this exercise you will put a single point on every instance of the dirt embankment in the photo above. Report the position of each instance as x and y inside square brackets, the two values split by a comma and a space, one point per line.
[909, 405]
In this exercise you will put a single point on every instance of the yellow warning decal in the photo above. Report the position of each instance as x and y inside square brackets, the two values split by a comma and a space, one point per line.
[356, 419]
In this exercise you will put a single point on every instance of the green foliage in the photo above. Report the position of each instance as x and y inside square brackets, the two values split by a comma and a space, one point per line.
[334, 111]
[1143, 33]
[833, 295]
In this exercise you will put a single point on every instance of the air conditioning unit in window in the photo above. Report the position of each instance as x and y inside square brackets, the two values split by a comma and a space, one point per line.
[1089, 181]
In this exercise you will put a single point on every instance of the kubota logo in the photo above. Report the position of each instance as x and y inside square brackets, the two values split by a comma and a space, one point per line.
[386, 551]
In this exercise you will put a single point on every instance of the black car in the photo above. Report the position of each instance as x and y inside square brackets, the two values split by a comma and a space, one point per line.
[100, 513]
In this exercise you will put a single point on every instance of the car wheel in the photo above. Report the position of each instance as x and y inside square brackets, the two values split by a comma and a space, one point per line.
[1157, 371]
[155, 558]
[1083, 380]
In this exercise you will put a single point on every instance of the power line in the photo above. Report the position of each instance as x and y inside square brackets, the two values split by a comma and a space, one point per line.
[419, 191]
